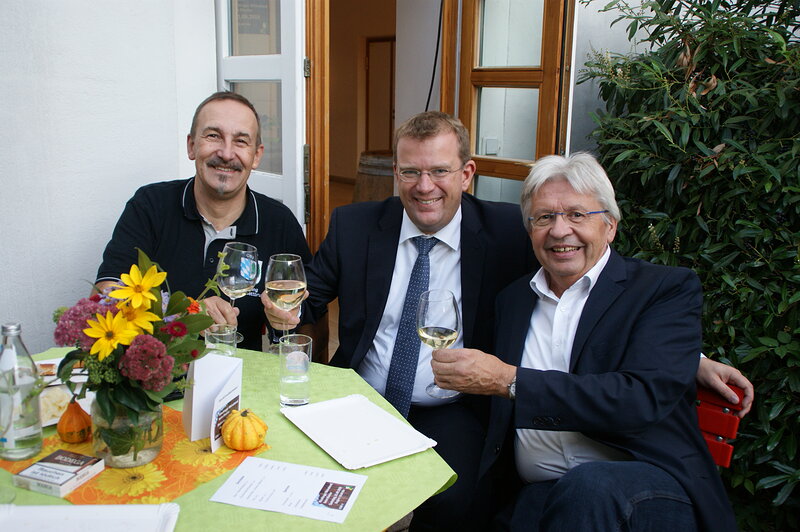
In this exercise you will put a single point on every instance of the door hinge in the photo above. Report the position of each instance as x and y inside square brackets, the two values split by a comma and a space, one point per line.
[307, 180]
[306, 67]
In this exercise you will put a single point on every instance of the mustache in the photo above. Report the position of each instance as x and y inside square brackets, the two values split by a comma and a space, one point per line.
[218, 161]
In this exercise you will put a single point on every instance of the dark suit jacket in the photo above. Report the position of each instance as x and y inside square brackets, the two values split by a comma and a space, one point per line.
[356, 260]
[631, 383]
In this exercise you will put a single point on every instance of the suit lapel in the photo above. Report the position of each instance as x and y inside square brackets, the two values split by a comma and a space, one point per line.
[473, 251]
[610, 284]
[519, 319]
[381, 255]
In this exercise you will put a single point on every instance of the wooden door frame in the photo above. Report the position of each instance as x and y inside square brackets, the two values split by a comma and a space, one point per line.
[558, 17]
[318, 118]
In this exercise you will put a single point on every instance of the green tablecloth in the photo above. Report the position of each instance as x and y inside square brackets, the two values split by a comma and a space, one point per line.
[392, 489]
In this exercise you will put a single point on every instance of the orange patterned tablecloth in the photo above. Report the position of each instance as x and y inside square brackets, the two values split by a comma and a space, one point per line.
[181, 466]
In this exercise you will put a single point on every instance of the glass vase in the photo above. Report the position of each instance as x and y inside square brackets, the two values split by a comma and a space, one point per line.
[123, 443]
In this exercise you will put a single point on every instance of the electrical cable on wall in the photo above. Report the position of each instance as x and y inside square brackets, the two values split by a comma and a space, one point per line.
[435, 56]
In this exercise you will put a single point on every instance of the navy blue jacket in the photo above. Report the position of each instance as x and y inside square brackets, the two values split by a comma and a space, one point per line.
[631, 383]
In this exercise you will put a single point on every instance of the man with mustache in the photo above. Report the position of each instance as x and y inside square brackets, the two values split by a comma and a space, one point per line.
[182, 225]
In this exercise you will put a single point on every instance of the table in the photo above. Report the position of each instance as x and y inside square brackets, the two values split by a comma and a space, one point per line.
[392, 489]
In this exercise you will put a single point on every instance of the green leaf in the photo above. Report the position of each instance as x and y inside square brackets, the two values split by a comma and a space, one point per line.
[664, 131]
[784, 493]
[769, 342]
[119, 440]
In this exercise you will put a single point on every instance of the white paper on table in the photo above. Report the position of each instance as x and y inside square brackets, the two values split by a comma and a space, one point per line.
[356, 432]
[215, 389]
[79, 518]
[305, 491]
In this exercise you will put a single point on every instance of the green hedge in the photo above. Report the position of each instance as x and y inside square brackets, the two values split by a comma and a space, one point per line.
[701, 137]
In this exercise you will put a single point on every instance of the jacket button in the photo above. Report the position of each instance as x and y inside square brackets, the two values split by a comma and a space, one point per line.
[497, 450]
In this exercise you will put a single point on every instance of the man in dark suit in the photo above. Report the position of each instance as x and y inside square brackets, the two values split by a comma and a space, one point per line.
[593, 384]
[367, 258]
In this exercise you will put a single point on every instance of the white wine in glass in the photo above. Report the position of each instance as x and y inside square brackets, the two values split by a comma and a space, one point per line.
[286, 294]
[438, 326]
[239, 270]
[285, 282]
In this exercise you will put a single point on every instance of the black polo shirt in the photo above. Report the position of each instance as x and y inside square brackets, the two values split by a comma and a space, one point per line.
[162, 219]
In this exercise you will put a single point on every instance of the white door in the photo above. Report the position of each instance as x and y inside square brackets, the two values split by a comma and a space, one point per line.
[260, 55]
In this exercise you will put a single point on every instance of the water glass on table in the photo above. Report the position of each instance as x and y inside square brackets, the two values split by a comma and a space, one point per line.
[221, 339]
[295, 358]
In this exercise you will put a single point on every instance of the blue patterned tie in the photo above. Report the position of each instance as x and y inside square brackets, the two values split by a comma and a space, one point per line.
[403, 368]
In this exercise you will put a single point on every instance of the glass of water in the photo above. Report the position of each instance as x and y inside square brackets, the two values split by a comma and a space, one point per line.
[222, 338]
[295, 357]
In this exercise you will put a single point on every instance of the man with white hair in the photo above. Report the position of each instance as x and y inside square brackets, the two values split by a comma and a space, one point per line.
[596, 356]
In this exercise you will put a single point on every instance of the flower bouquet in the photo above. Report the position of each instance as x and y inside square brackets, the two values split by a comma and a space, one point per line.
[135, 343]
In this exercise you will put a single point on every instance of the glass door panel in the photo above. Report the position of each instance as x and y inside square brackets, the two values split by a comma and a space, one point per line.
[506, 125]
[255, 27]
[511, 33]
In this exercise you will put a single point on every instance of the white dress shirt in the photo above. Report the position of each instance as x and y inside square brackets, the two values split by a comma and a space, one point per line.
[445, 259]
[543, 454]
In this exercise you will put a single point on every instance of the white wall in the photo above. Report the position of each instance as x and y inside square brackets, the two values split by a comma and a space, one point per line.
[96, 99]
[417, 21]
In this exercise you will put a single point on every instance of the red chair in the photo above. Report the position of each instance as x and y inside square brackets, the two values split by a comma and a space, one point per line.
[718, 422]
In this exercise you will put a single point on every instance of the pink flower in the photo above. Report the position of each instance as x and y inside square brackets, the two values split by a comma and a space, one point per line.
[69, 330]
[177, 329]
[146, 360]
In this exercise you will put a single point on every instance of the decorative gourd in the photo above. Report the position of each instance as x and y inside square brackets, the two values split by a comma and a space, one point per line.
[243, 430]
[75, 425]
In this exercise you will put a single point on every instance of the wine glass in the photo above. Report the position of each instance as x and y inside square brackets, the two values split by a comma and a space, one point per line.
[438, 325]
[238, 269]
[285, 283]
[7, 494]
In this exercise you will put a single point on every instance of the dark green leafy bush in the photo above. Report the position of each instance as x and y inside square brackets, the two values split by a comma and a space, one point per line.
[701, 137]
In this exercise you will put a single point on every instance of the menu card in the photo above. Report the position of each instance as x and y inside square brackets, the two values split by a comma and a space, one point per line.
[293, 489]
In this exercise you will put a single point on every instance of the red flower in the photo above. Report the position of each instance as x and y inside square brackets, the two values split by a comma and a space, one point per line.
[95, 297]
[194, 353]
[194, 306]
[177, 329]
[147, 361]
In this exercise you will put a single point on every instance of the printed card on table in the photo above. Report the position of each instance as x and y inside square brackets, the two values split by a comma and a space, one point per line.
[215, 390]
[294, 489]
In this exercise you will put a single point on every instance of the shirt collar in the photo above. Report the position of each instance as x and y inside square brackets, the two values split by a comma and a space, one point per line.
[589, 279]
[450, 234]
[247, 224]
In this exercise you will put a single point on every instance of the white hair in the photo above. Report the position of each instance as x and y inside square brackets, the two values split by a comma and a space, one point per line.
[584, 174]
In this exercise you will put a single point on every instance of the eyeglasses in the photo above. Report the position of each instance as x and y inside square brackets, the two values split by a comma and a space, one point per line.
[412, 175]
[572, 217]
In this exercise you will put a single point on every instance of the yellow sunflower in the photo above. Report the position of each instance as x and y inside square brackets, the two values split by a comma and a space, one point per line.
[110, 331]
[138, 317]
[198, 453]
[137, 288]
[131, 481]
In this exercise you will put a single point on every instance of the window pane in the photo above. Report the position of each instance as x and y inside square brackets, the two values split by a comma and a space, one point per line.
[266, 97]
[498, 189]
[511, 33]
[255, 27]
[507, 121]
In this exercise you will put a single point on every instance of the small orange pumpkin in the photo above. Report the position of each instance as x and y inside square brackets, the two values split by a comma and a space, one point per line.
[75, 425]
[243, 430]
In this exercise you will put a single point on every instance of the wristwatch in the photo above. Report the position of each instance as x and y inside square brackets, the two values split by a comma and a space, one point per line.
[512, 388]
